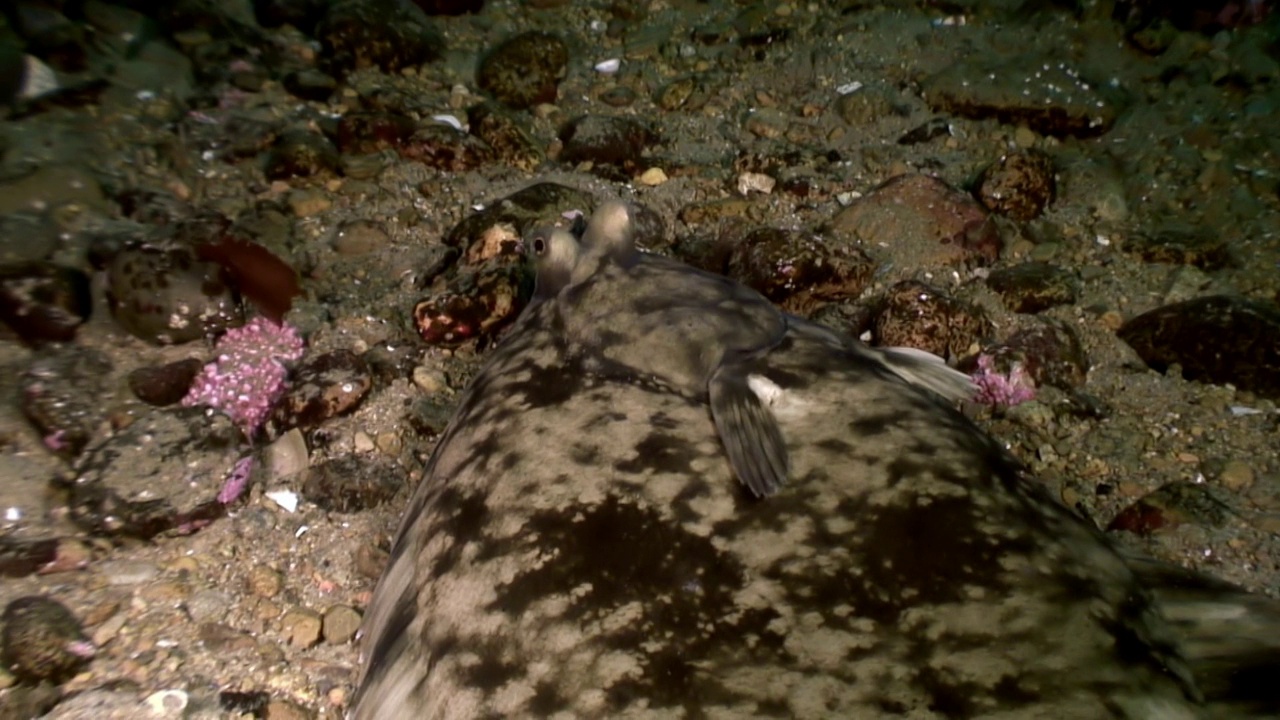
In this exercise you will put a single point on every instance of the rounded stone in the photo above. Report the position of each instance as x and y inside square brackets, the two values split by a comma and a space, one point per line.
[43, 640]
[1018, 185]
[525, 70]
[167, 296]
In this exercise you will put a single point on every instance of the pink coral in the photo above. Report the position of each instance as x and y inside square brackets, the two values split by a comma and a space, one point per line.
[248, 378]
[999, 389]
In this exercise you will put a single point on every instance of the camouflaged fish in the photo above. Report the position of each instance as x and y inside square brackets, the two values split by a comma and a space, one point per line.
[665, 322]
[576, 550]
[609, 238]
[641, 316]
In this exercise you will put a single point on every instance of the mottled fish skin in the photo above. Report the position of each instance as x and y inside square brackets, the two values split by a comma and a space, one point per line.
[661, 321]
[576, 549]
[640, 316]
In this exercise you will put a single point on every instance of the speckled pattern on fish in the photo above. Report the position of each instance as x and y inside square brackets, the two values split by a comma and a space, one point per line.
[578, 548]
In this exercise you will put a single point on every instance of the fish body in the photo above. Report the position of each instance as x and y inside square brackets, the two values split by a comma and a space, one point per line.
[576, 549]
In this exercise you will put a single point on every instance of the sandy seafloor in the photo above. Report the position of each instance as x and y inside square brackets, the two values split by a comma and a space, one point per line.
[1194, 147]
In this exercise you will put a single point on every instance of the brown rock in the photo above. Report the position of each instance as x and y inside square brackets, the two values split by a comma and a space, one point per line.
[914, 314]
[1033, 287]
[301, 627]
[286, 710]
[1039, 91]
[919, 221]
[605, 140]
[1019, 185]
[164, 384]
[340, 624]
[1171, 505]
[1215, 339]
[799, 271]
[525, 70]
[1180, 246]
[504, 136]
[43, 640]
[325, 386]
[1051, 353]
[264, 581]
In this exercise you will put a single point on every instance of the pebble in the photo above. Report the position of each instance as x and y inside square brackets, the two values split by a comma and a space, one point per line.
[1218, 339]
[430, 380]
[322, 387]
[308, 203]
[1034, 286]
[1236, 475]
[100, 704]
[364, 133]
[301, 154]
[167, 703]
[918, 221]
[799, 270]
[652, 177]
[385, 34]
[286, 710]
[352, 483]
[126, 488]
[1018, 185]
[497, 134]
[207, 605]
[43, 640]
[767, 123]
[264, 581]
[62, 395]
[360, 237]
[1039, 91]
[127, 572]
[340, 624]
[165, 295]
[287, 455]
[51, 186]
[913, 314]
[43, 302]
[162, 385]
[605, 140]
[525, 70]
[301, 627]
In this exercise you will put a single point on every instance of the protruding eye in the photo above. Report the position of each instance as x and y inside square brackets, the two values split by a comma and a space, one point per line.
[539, 246]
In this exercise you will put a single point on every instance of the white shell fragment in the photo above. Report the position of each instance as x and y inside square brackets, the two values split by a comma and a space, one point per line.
[450, 120]
[39, 79]
[849, 88]
[286, 499]
[608, 67]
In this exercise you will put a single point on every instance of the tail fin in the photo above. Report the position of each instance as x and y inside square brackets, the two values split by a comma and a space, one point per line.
[926, 370]
[1229, 637]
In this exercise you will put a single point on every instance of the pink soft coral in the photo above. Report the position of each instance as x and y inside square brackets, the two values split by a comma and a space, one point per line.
[1002, 389]
[248, 378]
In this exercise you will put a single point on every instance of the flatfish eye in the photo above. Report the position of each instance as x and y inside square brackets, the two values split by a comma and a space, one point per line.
[540, 246]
